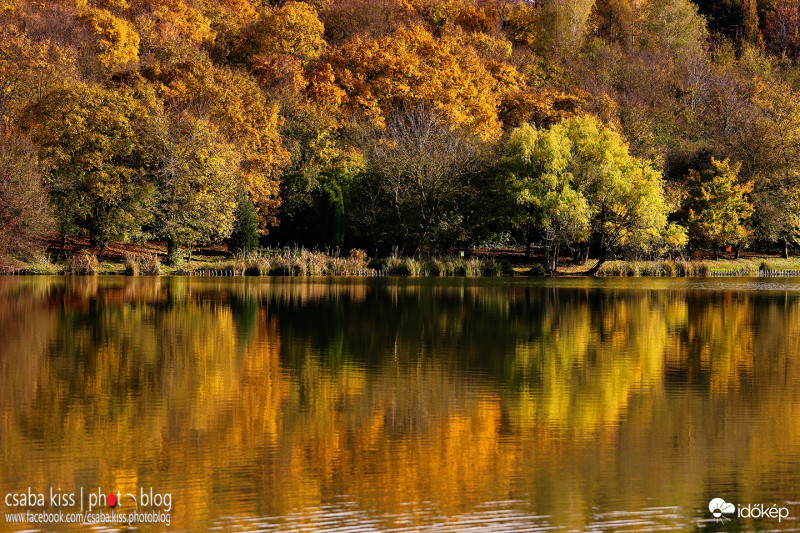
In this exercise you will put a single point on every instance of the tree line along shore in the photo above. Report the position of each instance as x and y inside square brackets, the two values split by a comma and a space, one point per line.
[597, 130]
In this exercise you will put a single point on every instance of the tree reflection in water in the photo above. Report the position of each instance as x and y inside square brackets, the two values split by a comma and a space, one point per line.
[411, 401]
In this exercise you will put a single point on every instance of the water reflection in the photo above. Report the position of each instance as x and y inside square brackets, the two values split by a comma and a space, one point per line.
[407, 405]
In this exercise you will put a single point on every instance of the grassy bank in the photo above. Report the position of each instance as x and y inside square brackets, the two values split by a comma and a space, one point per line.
[276, 262]
[302, 262]
[744, 267]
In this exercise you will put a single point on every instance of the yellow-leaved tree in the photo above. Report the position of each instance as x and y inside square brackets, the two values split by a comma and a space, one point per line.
[284, 41]
[578, 179]
[373, 76]
[233, 103]
[294, 28]
[194, 169]
[228, 16]
[172, 21]
[117, 42]
[28, 69]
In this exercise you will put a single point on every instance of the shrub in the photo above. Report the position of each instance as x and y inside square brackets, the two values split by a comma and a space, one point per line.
[339, 266]
[402, 266]
[648, 269]
[311, 264]
[283, 265]
[473, 267]
[358, 257]
[378, 264]
[84, 264]
[765, 266]
[629, 270]
[669, 269]
[432, 266]
[257, 266]
[539, 270]
[131, 266]
[459, 267]
[40, 263]
[149, 265]
[490, 268]
[395, 266]
[506, 269]
[245, 230]
[447, 267]
[138, 265]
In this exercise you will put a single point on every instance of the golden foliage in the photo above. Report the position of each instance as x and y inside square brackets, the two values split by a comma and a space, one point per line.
[522, 22]
[174, 21]
[237, 107]
[540, 108]
[278, 71]
[294, 28]
[112, 5]
[490, 46]
[29, 68]
[228, 16]
[117, 40]
[437, 13]
[377, 75]
[9, 8]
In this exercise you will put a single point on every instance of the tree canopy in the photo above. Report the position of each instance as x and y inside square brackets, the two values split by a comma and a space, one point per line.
[577, 180]
[309, 108]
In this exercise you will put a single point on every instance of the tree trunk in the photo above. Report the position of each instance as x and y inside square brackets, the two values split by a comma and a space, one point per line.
[736, 250]
[554, 270]
[527, 241]
[785, 254]
[716, 252]
[172, 251]
[600, 260]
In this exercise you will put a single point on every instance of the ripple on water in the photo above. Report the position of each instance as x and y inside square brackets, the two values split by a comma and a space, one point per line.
[491, 517]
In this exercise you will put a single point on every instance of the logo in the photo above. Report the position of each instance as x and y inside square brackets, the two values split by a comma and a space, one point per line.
[719, 508]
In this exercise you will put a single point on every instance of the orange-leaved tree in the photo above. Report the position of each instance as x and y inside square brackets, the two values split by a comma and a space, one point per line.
[374, 76]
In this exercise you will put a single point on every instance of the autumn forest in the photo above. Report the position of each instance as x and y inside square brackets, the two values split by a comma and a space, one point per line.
[610, 128]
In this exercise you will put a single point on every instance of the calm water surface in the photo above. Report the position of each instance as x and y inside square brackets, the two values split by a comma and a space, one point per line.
[407, 405]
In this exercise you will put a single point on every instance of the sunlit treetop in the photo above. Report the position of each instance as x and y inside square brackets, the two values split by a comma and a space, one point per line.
[117, 41]
[294, 29]
[228, 16]
[29, 68]
[173, 21]
[375, 75]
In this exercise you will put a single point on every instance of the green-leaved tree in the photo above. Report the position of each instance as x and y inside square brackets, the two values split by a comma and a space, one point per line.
[539, 166]
[718, 205]
[244, 237]
[580, 172]
[93, 161]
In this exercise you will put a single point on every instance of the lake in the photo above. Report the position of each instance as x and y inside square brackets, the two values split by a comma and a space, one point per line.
[384, 404]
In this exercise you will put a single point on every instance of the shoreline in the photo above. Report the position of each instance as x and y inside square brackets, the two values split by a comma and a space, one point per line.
[300, 262]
